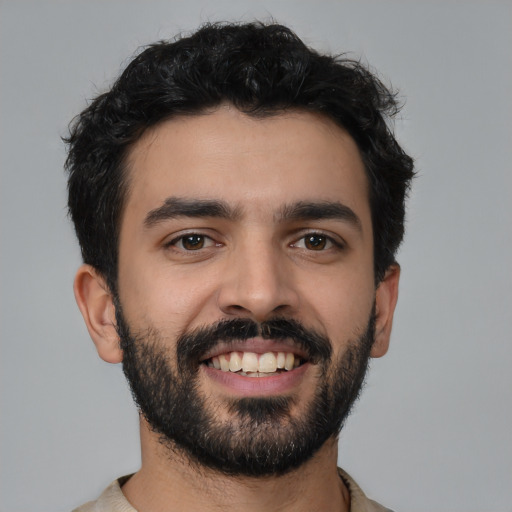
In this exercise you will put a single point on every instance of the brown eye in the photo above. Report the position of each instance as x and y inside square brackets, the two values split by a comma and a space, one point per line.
[315, 242]
[193, 242]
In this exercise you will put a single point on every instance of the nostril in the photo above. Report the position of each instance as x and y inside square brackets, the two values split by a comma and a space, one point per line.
[236, 309]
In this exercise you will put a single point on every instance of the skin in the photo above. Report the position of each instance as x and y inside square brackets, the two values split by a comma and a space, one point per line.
[255, 264]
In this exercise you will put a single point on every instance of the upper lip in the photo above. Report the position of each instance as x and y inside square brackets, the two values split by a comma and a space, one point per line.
[256, 345]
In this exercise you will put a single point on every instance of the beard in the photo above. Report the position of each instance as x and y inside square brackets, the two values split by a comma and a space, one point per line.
[262, 437]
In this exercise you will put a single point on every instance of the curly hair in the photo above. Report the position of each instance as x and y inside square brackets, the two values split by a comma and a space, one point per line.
[260, 69]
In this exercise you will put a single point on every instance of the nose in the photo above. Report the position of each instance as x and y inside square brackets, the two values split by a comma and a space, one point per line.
[258, 282]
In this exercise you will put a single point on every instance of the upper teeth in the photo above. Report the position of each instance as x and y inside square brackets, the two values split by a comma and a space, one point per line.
[251, 362]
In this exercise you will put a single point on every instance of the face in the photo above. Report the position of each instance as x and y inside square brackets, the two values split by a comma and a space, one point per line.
[246, 285]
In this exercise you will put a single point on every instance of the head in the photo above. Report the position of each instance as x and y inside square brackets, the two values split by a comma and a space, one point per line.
[262, 71]
[239, 200]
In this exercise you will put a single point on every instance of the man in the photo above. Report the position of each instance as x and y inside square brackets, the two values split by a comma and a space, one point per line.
[239, 200]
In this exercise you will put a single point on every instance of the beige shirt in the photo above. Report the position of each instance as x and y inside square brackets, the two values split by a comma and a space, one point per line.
[113, 500]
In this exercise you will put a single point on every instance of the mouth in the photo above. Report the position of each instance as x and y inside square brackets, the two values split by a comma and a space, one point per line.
[257, 367]
[253, 364]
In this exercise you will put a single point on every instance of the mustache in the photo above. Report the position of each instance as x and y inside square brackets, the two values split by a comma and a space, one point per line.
[192, 345]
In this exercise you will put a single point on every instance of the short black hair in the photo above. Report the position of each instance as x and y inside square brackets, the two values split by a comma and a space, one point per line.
[261, 69]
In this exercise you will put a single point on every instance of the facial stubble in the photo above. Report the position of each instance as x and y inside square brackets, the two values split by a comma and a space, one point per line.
[262, 437]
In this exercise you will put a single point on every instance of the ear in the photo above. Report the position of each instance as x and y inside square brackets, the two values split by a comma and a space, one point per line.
[97, 307]
[386, 297]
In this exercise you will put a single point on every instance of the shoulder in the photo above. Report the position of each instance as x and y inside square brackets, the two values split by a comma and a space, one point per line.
[359, 502]
[111, 499]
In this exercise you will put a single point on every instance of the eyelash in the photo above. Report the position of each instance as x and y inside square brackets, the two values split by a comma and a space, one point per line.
[335, 244]
[207, 239]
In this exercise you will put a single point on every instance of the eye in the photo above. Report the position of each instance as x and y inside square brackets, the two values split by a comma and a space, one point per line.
[315, 242]
[192, 242]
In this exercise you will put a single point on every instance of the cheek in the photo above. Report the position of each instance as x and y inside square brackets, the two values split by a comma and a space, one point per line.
[168, 300]
[341, 303]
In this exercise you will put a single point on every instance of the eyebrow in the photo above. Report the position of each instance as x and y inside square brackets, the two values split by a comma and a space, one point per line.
[304, 210]
[175, 207]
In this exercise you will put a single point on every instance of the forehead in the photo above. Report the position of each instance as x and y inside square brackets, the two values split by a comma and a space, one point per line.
[249, 162]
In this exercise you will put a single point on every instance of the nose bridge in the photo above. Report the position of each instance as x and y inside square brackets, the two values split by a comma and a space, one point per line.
[256, 282]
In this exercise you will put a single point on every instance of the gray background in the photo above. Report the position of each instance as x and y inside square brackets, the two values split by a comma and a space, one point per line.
[433, 428]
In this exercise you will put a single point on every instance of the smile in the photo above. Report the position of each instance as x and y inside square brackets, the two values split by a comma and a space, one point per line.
[280, 365]
[252, 364]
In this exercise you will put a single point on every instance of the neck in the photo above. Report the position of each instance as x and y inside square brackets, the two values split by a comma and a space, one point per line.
[167, 482]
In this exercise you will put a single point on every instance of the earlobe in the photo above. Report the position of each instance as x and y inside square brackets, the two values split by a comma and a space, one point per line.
[385, 301]
[97, 307]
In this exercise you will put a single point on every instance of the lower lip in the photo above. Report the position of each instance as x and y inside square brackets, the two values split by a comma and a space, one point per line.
[257, 386]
